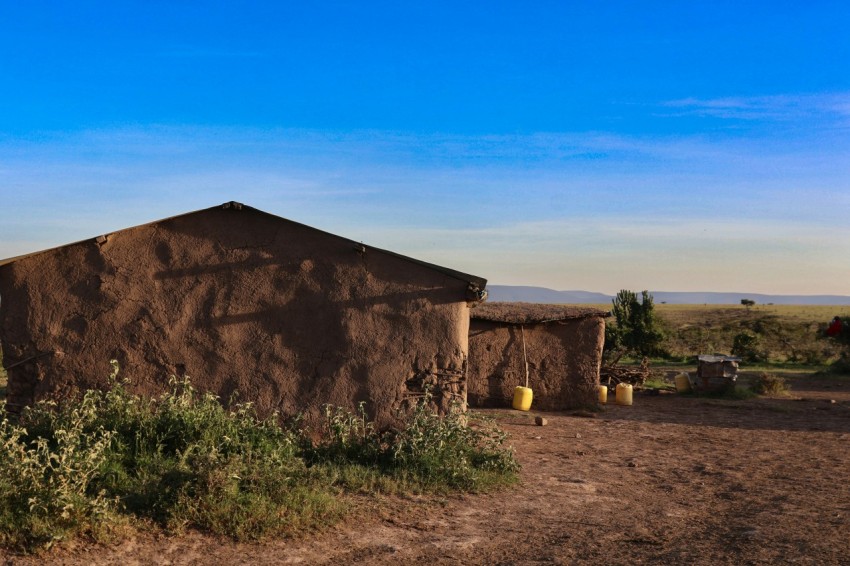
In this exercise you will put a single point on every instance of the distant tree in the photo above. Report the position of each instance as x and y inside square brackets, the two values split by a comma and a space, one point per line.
[748, 303]
[637, 331]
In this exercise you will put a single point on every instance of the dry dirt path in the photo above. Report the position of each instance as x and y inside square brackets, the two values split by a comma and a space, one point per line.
[669, 480]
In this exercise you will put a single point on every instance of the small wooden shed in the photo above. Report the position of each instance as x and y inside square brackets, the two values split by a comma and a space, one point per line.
[563, 345]
[716, 372]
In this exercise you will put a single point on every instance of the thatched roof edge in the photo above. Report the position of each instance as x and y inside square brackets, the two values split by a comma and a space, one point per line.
[533, 313]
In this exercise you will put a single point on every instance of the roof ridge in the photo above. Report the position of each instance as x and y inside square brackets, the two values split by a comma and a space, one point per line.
[477, 284]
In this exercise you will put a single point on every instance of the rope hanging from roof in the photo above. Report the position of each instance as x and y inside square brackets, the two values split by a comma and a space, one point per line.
[524, 357]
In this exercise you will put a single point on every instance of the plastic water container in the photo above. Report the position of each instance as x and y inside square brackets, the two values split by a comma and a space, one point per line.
[522, 398]
[624, 394]
[603, 394]
[683, 383]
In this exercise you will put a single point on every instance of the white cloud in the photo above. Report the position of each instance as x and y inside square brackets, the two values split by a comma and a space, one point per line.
[775, 107]
[565, 210]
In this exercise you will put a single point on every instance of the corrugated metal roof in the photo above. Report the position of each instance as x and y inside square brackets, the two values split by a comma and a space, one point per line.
[478, 282]
[533, 313]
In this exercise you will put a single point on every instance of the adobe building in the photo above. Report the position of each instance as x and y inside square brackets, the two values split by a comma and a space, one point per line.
[563, 347]
[243, 302]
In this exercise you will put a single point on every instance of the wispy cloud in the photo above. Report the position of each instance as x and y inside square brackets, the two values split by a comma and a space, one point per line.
[556, 209]
[775, 107]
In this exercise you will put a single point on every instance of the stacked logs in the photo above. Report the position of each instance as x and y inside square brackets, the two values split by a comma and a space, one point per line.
[613, 375]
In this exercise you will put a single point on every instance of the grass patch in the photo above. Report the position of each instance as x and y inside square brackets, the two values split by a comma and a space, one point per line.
[655, 382]
[459, 451]
[768, 384]
[784, 335]
[184, 461]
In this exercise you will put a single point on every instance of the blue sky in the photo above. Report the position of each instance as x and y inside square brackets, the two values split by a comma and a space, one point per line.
[669, 146]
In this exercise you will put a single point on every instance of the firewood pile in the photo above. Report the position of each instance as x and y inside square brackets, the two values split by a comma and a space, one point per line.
[614, 375]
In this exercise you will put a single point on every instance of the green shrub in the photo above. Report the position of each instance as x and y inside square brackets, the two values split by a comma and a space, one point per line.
[180, 460]
[49, 486]
[184, 460]
[346, 438]
[426, 451]
[768, 384]
[449, 451]
[814, 356]
[747, 346]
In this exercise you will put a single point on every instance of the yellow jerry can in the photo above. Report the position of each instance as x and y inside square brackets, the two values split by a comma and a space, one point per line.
[522, 398]
[624, 394]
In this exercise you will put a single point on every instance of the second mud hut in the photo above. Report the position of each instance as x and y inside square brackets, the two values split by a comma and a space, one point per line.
[563, 345]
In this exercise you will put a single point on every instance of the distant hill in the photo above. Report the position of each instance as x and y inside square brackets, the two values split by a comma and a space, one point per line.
[543, 295]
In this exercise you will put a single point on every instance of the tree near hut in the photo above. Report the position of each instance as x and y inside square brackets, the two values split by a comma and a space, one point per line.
[747, 346]
[637, 331]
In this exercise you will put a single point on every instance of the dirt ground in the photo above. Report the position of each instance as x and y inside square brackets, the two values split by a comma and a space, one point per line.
[670, 479]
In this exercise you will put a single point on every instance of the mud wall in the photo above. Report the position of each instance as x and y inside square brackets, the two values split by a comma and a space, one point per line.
[247, 304]
[563, 360]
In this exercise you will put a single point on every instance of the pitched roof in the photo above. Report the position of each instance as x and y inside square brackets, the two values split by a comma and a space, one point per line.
[477, 282]
[533, 313]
